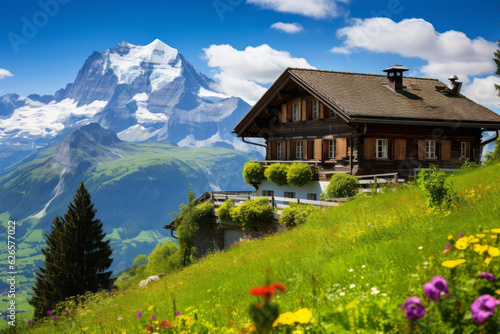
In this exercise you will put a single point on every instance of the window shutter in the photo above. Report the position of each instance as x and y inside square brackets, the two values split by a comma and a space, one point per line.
[268, 150]
[304, 150]
[318, 149]
[283, 150]
[303, 110]
[400, 149]
[321, 111]
[283, 113]
[326, 112]
[294, 150]
[325, 150]
[421, 149]
[309, 110]
[289, 112]
[310, 149]
[446, 150]
[369, 149]
[275, 151]
[341, 148]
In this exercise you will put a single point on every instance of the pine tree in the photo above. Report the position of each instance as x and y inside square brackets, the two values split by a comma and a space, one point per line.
[76, 257]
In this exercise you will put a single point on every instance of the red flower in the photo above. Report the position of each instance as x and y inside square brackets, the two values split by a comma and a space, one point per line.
[266, 290]
[166, 324]
[148, 329]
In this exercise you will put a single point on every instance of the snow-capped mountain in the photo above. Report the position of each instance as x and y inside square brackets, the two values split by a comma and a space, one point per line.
[139, 92]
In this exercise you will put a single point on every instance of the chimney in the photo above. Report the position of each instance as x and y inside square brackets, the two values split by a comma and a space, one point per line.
[455, 85]
[395, 76]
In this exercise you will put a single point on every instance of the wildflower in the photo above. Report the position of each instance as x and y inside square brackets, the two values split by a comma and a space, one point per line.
[452, 263]
[153, 317]
[148, 329]
[120, 318]
[450, 237]
[54, 318]
[460, 235]
[29, 322]
[421, 247]
[49, 312]
[342, 293]
[302, 316]
[480, 248]
[447, 248]
[351, 270]
[462, 243]
[488, 276]
[480, 235]
[435, 287]
[483, 307]
[495, 230]
[352, 286]
[363, 266]
[487, 261]
[493, 251]
[67, 312]
[178, 313]
[414, 309]
[150, 308]
[139, 314]
[166, 324]
[267, 290]
[375, 291]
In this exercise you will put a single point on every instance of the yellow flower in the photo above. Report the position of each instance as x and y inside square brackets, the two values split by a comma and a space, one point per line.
[452, 263]
[480, 235]
[480, 248]
[497, 292]
[284, 319]
[150, 308]
[495, 230]
[474, 240]
[85, 329]
[493, 251]
[494, 236]
[302, 316]
[450, 237]
[208, 291]
[487, 261]
[462, 243]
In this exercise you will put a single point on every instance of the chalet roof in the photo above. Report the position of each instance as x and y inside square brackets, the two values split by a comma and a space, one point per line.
[358, 97]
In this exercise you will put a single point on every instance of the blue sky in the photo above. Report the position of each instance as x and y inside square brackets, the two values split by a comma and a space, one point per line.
[233, 41]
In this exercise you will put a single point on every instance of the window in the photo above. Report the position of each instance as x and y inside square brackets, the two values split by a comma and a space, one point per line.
[315, 113]
[289, 194]
[278, 150]
[430, 149]
[463, 150]
[300, 149]
[332, 149]
[296, 112]
[267, 193]
[312, 197]
[382, 145]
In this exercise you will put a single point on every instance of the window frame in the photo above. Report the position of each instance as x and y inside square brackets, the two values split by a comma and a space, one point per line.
[290, 193]
[310, 195]
[332, 154]
[301, 145]
[385, 153]
[463, 150]
[279, 150]
[428, 150]
[315, 114]
[295, 112]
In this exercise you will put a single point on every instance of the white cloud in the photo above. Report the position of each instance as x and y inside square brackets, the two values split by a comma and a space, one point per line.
[451, 52]
[340, 50]
[5, 73]
[482, 91]
[318, 9]
[240, 72]
[289, 28]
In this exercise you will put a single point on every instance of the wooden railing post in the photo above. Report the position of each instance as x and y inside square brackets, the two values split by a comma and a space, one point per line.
[272, 202]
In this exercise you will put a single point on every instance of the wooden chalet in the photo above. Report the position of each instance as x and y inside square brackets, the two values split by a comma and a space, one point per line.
[367, 123]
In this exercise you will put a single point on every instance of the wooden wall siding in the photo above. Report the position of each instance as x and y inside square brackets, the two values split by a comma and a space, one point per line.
[369, 149]
[321, 111]
[304, 150]
[288, 150]
[268, 151]
[431, 132]
[283, 150]
[399, 149]
[326, 112]
[318, 149]
[309, 109]
[421, 149]
[310, 150]
[283, 115]
[314, 128]
[304, 110]
[341, 148]
[446, 150]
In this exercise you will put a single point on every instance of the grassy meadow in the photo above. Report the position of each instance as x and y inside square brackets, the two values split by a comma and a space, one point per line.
[350, 265]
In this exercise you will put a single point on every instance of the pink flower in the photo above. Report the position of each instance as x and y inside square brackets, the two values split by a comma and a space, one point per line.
[414, 309]
[139, 314]
[177, 313]
[166, 324]
[153, 317]
[483, 307]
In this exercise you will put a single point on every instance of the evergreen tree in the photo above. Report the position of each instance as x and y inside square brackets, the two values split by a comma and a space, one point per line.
[76, 257]
[495, 155]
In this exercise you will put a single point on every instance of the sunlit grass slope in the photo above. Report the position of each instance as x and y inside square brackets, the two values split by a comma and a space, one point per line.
[337, 256]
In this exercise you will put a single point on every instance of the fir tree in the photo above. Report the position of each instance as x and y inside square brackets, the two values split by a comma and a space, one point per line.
[76, 257]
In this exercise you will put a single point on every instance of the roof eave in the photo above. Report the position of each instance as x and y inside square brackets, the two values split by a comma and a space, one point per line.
[428, 122]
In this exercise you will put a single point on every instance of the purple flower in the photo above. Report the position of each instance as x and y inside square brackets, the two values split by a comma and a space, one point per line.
[49, 312]
[460, 235]
[488, 276]
[54, 318]
[414, 309]
[139, 314]
[29, 322]
[177, 313]
[67, 312]
[435, 287]
[153, 317]
[483, 307]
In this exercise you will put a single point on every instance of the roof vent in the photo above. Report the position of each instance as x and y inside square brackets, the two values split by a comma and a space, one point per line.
[453, 88]
[395, 76]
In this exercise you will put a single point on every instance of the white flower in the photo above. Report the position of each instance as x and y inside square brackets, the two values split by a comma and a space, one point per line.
[351, 270]
[342, 293]
[375, 292]
[420, 247]
[362, 277]
[352, 286]
[363, 266]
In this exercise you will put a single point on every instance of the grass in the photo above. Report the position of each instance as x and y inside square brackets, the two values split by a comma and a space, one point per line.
[338, 256]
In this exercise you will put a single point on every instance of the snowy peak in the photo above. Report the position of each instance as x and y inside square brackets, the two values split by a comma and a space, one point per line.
[129, 62]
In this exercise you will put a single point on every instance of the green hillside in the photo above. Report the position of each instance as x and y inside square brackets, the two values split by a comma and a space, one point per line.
[350, 265]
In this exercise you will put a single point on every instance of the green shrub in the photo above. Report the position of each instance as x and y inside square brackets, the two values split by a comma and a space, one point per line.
[296, 214]
[161, 259]
[277, 173]
[434, 187]
[253, 171]
[140, 259]
[494, 156]
[255, 213]
[204, 214]
[224, 212]
[299, 174]
[342, 185]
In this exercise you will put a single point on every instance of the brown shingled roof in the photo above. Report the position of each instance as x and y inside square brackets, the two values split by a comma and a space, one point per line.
[368, 95]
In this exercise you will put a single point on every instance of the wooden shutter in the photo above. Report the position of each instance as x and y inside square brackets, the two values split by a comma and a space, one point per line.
[326, 112]
[268, 151]
[321, 111]
[293, 150]
[421, 149]
[289, 112]
[309, 110]
[341, 148]
[369, 149]
[400, 149]
[304, 150]
[303, 110]
[318, 149]
[274, 154]
[283, 150]
[325, 149]
[283, 113]
[288, 150]
[446, 150]
[310, 150]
